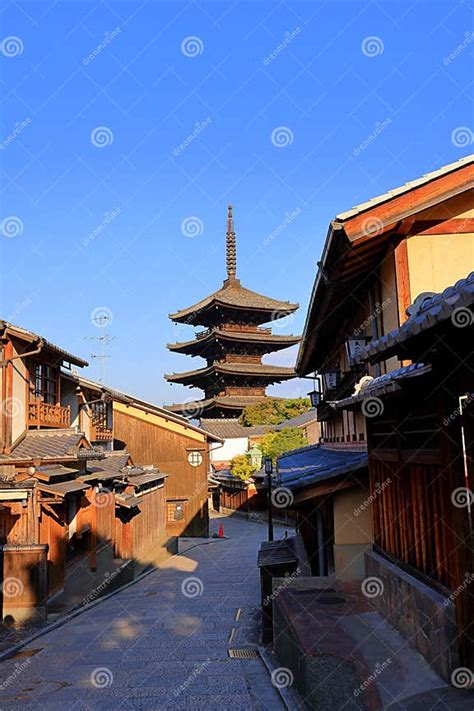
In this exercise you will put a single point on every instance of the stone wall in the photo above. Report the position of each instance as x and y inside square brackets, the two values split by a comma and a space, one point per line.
[424, 616]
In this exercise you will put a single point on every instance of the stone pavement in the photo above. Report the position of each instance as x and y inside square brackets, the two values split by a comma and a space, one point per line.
[159, 644]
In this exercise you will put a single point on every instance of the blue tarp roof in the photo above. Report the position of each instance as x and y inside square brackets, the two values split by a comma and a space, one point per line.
[310, 465]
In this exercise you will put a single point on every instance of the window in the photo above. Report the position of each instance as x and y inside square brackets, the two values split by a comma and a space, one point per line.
[99, 414]
[195, 458]
[46, 383]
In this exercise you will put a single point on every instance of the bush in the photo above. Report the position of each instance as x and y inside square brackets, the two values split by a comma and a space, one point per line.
[241, 467]
[274, 444]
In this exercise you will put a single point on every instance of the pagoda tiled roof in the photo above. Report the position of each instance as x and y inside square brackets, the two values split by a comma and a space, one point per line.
[250, 336]
[233, 295]
[278, 371]
[231, 402]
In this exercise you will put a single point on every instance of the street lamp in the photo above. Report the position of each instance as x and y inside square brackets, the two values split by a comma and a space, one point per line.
[269, 472]
[315, 396]
[355, 346]
[331, 378]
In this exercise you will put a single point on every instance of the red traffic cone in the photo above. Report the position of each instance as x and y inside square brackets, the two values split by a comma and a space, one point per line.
[221, 531]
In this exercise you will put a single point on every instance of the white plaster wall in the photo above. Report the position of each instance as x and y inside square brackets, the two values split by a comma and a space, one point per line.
[230, 448]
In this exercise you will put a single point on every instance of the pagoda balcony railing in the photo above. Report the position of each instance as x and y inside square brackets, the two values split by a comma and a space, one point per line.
[234, 327]
[44, 414]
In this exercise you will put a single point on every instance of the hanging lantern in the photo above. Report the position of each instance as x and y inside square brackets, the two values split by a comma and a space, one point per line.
[355, 346]
[331, 378]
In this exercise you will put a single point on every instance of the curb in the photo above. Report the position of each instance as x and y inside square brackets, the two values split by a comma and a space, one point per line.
[289, 695]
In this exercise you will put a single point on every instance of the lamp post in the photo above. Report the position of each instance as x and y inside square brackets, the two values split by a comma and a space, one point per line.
[269, 472]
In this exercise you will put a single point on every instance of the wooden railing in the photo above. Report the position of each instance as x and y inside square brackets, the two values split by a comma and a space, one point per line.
[101, 433]
[44, 414]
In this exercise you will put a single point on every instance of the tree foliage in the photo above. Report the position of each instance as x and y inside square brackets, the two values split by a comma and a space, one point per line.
[274, 444]
[241, 467]
[273, 411]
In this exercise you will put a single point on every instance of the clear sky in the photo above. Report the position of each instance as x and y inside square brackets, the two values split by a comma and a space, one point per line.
[120, 121]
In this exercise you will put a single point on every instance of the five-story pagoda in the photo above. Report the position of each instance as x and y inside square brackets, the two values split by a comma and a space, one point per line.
[232, 344]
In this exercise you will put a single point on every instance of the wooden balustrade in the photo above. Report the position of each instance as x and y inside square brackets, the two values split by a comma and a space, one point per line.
[101, 433]
[43, 414]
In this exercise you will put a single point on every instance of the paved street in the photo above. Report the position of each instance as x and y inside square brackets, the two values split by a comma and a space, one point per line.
[162, 643]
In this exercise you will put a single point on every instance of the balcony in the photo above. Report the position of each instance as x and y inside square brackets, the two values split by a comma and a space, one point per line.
[42, 414]
[101, 433]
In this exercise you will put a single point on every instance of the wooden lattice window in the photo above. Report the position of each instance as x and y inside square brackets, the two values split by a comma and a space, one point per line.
[175, 511]
[45, 386]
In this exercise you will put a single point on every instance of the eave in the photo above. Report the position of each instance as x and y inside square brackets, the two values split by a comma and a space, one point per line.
[262, 340]
[240, 369]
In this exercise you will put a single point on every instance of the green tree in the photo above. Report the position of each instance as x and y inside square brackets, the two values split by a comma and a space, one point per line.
[273, 411]
[241, 467]
[274, 444]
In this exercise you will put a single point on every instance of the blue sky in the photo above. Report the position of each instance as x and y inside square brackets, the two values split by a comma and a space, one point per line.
[122, 120]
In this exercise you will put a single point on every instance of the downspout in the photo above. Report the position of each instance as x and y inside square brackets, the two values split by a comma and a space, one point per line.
[27, 354]
[465, 398]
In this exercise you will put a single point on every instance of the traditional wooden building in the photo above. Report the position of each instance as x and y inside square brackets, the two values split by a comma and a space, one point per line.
[232, 344]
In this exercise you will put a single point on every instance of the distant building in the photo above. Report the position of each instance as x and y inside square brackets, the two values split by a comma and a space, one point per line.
[232, 345]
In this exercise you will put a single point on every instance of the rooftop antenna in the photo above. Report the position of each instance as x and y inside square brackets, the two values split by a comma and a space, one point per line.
[101, 321]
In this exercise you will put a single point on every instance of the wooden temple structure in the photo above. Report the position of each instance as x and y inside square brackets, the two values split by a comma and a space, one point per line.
[232, 344]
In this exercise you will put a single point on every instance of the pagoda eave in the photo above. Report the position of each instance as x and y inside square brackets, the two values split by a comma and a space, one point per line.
[264, 343]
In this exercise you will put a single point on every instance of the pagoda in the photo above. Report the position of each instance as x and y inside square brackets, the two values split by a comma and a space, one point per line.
[232, 344]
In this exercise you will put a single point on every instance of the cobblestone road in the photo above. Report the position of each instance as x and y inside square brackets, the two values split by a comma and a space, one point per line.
[159, 644]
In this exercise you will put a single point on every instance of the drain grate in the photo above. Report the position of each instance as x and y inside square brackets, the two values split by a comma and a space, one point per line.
[243, 653]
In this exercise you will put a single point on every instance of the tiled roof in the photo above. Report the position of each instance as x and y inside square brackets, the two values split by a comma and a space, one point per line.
[23, 333]
[299, 420]
[46, 444]
[400, 190]
[264, 369]
[228, 428]
[262, 337]
[110, 467]
[384, 384]
[232, 294]
[311, 465]
[63, 488]
[456, 303]
[225, 401]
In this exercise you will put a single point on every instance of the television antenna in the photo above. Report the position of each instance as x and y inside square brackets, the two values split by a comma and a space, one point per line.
[103, 341]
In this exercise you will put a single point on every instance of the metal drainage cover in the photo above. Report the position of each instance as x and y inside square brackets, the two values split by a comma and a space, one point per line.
[243, 653]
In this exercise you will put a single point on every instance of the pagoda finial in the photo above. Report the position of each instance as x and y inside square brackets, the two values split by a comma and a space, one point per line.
[231, 257]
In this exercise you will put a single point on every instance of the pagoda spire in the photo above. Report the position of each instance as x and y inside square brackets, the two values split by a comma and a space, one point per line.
[231, 256]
